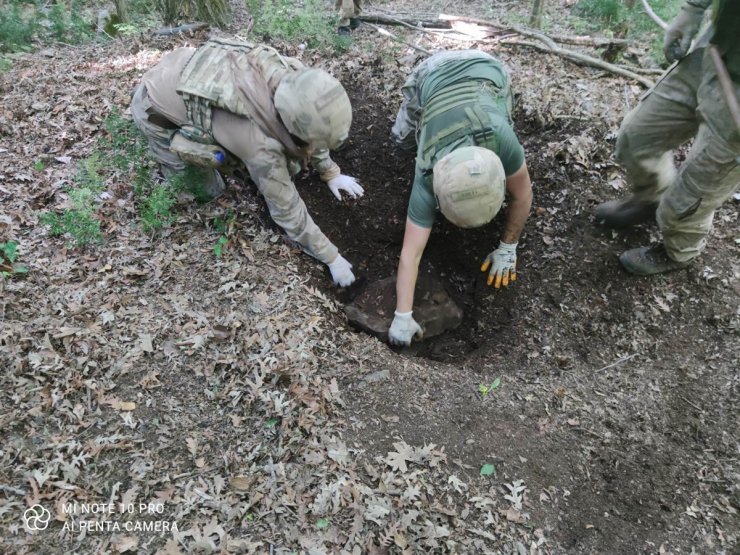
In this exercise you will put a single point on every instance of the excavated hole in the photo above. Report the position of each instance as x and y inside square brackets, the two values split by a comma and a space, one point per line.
[369, 231]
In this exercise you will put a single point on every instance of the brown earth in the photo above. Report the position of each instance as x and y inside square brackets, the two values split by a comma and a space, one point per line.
[232, 390]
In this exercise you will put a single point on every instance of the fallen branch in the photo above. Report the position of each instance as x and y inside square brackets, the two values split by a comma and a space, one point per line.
[445, 22]
[187, 28]
[408, 21]
[654, 16]
[391, 36]
[617, 363]
[583, 59]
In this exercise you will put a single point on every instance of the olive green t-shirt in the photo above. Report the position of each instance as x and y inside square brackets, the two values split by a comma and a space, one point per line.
[491, 99]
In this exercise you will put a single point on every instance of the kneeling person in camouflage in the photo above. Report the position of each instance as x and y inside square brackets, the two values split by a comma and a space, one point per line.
[687, 102]
[230, 103]
[457, 111]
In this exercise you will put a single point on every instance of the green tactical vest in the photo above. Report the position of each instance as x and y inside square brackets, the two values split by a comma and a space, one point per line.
[461, 115]
[205, 83]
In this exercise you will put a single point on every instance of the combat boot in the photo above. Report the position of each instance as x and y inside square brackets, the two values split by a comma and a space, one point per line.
[646, 261]
[626, 212]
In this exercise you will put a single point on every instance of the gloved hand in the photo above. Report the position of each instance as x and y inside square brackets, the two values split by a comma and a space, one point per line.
[347, 184]
[403, 329]
[680, 31]
[341, 271]
[503, 261]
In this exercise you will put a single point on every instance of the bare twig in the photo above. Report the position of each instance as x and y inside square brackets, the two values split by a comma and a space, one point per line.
[391, 36]
[617, 363]
[685, 400]
[654, 16]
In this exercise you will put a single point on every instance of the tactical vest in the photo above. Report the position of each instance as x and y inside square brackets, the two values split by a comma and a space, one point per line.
[206, 82]
[461, 115]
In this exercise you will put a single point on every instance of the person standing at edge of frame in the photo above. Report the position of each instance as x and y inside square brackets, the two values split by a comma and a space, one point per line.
[348, 12]
[688, 101]
[457, 111]
[230, 104]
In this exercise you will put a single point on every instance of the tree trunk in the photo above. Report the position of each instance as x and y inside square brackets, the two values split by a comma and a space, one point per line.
[537, 9]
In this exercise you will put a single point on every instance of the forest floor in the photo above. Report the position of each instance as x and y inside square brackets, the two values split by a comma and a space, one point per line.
[230, 393]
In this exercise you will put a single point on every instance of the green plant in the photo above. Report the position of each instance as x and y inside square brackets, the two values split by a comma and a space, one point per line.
[17, 27]
[79, 221]
[488, 469]
[154, 208]
[609, 11]
[486, 389]
[308, 23]
[619, 18]
[8, 257]
[39, 165]
[5, 64]
[219, 246]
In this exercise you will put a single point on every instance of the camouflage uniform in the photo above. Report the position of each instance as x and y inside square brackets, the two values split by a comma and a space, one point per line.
[687, 102]
[158, 111]
[347, 9]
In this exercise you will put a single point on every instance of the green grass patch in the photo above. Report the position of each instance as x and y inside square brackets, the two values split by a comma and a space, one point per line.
[122, 154]
[9, 266]
[79, 223]
[614, 17]
[308, 23]
[24, 23]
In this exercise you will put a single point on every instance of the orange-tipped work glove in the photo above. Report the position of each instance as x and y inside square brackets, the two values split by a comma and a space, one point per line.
[502, 263]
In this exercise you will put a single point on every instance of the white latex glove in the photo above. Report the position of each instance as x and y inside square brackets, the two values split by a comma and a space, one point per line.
[503, 265]
[680, 32]
[403, 329]
[341, 271]
[347, 184]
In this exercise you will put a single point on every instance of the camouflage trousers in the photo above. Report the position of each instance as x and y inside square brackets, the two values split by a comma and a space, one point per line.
[158, 131]
[347, 9]
[687, 102]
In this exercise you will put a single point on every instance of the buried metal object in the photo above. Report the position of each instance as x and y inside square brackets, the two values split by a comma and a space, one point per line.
[434, 310]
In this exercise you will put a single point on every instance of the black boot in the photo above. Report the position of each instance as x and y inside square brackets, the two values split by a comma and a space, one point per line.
[646, 261]
[625, 213]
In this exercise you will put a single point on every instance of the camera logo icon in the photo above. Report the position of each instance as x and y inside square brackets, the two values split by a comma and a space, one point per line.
[36, 518]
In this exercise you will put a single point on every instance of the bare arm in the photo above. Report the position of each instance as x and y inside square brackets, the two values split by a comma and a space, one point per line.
[414, 241]
[519, 187]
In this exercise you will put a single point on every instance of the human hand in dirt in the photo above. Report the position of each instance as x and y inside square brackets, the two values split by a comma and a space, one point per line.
[502, 262]
[341, 271]
[680, 32]
[347, 184]
[403, 329]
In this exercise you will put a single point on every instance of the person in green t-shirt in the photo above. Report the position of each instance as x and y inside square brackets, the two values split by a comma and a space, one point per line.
[687, 102]
[457, 112]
